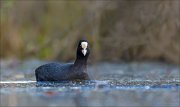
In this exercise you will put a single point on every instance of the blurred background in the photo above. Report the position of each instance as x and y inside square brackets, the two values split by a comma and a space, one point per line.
[134, 60]
[128, 30]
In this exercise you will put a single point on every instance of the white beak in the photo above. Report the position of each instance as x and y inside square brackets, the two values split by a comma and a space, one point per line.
[84, 46]
[84, 51]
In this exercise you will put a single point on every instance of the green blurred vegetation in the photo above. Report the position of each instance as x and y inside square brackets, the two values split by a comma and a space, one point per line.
[117, 30]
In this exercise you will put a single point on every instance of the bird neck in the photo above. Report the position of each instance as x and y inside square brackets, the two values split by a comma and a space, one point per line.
[81, 62]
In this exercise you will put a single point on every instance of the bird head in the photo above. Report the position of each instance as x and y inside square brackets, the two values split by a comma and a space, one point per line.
[83, 48]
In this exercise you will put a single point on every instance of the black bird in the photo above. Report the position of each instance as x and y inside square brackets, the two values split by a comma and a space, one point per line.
[71, 71]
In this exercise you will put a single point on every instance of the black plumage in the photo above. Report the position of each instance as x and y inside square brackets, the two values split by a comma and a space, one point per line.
[71, 71]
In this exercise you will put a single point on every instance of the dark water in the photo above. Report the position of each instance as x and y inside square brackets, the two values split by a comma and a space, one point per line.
[113, 84]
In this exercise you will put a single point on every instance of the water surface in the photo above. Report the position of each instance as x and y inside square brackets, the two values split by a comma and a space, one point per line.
[112, 84]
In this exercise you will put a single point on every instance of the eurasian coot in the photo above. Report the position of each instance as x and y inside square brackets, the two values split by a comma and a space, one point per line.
[71, 71]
